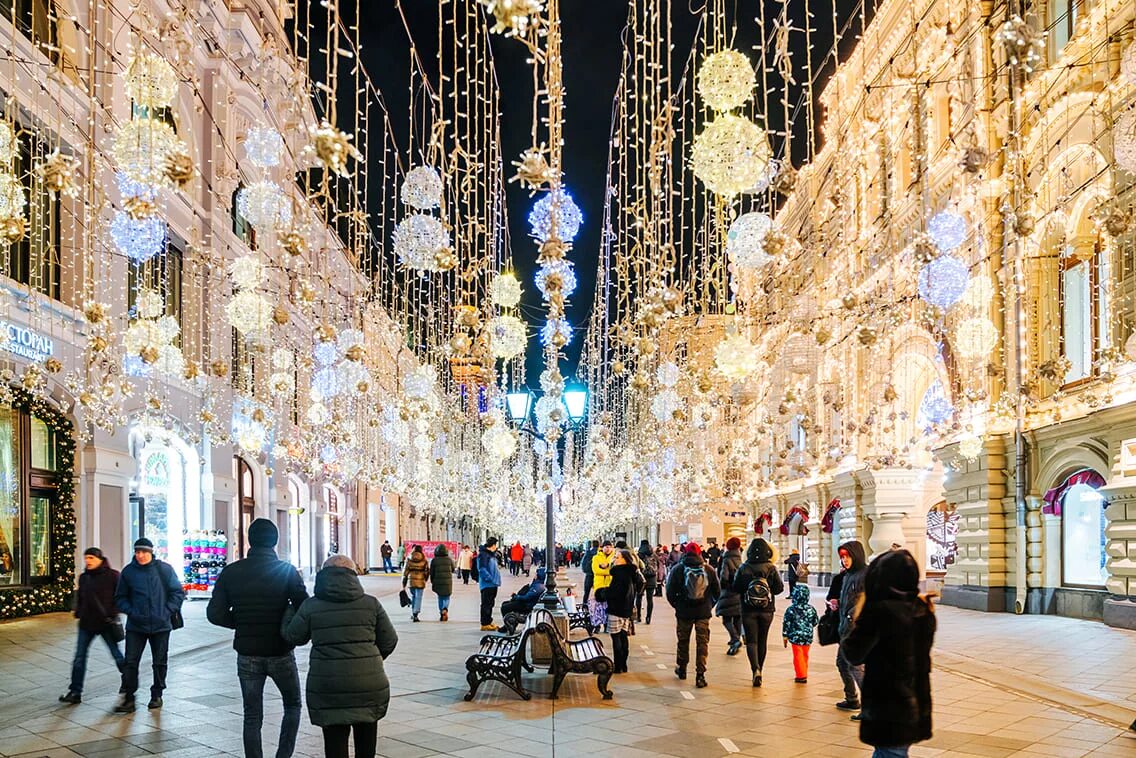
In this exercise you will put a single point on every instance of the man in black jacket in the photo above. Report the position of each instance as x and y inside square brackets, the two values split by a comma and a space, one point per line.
[693, 589]
[253, 596]
[96, 611]
[586, 567]
[851, 587]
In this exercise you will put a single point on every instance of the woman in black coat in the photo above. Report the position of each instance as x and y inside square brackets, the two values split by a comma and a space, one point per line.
[626, 584]
[892, 636]
[756, 620]
[650, 581]
[729, 607]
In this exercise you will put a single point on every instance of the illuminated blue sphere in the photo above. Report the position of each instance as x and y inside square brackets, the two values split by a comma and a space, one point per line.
[942, 282]
[139, 239]
[568, 218]
[947, 230]
[130, 188]
[567, 277]
[555, 326]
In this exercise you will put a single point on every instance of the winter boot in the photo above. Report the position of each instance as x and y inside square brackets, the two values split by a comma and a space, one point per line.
[125, 704]
[680, 672]
[71, 697]
[757, 678]
[700, 681]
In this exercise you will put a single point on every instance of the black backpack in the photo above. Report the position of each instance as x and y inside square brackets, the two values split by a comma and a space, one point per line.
[694, 582]
[758, 595]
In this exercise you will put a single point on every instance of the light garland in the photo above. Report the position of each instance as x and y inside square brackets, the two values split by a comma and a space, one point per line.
[13, 199]
[505, 291]
[8, 144]
[422, 188]
[731, 155]
[264, 147]
[1124, 140]
[264, 205]
[419, 240]
[568, 217]
[745, 241]
[942, 282]
[150, 80]
[139, 239]
[513, 17]
[1128, 64]
[507, 336]
[726, 80]
[735, 357]
[947, 230]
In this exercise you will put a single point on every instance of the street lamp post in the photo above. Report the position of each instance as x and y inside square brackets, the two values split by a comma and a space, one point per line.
[518, 405]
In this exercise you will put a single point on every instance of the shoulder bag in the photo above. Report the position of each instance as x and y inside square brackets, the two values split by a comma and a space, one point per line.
[114, 624]
[828, 629]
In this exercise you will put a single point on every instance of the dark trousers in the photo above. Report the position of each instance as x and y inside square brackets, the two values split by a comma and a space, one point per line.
[733, 626]
[335, 739]
[515, 606]
[159, 652]
[388, 567]
[82, 646]
[792, 582]
[756, 627]
[620, 649]
[588, 579]
[252, 670]
[851, 676]
[488, 600]
[650, 596]
[465, 576]
[701, 629]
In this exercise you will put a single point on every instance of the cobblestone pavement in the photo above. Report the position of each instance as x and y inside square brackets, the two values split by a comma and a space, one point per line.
[1003, 686]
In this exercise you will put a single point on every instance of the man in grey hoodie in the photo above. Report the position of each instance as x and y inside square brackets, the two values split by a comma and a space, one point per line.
[851, 587]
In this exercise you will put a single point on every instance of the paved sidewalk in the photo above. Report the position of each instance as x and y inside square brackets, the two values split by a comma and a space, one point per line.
[991, 670]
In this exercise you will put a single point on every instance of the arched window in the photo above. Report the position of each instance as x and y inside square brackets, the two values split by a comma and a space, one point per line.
[294, 514]
[942, 537]
[1082, 537]
[1084, 308]
[246, 501]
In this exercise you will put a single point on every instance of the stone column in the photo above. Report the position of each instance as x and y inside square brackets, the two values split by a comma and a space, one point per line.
[890, 496]
[1120, 533]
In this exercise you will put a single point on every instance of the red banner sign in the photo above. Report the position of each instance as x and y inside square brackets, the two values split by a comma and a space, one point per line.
[428, 548]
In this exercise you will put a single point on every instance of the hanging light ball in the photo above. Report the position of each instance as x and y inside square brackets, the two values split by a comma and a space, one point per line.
[970, 447]
[264, 146]
[947, 230]
[556, 332]
[139, 239]
[1124, 140]
[556, 277]
[975, 337]
[745, 242]
[505, 291]
[264, 205]
[730, 155]
[507, 336]
[13, 199]
[499, 442]
[149, 304]
[249, 312]
[979, 292]
[418, 239]
[246, 271]
[422, 188]
[568, 217]
[151, 81]
[8, 144]
[141, 147]
[942, 282]
[726, 80]
[419, 383]
[667, 374]
[325, 384]
[735, 357]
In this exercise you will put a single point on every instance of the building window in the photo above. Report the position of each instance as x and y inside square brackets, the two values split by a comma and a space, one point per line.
[27, 494]
[332, 522]
[1083, 537]
[246, 502]
[34, 260]
[36, 20]
[241, 226]
[1063, 18]
[162, 274]
[1084, 310]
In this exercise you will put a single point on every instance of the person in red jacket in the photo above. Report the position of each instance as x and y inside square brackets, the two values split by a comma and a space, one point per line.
[96, 611]
[516, 555]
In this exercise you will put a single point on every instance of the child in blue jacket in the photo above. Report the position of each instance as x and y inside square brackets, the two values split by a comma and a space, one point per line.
[797, 630]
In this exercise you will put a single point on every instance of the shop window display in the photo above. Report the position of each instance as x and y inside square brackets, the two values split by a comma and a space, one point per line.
[1083, 537]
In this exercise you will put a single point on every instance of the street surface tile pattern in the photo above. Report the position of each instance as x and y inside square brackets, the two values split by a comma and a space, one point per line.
[1003, 686]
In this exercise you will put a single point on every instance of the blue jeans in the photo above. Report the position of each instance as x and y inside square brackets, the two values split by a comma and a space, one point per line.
[415, 600]
[891, 752]
[79, 665]
[443, 602]
[252, 670]
[388, 567]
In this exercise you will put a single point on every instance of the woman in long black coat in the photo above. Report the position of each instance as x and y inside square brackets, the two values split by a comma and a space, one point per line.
[760, 557]
[892, 637]
[626, 584]
[729, 607]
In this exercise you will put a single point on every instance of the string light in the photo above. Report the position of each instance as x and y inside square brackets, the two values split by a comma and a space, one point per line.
[139, 239]
[942, 282]
[730, 155]
[568, 217]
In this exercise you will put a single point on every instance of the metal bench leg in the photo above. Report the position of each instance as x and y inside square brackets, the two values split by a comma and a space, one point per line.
[603, 671]
[474, 682]
[558, 678]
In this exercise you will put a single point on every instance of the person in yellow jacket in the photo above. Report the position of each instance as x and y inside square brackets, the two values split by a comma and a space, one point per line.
[601, 573]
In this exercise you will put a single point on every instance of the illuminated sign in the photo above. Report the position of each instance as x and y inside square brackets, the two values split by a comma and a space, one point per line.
[25, 342]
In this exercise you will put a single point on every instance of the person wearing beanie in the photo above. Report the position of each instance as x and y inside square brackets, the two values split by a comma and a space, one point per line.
[150, 594]
[254, 596]
[488, 580]
[442, 580]
[758, 582]
[843, 597]
[729, 607]
[692, 590]
[97, 615]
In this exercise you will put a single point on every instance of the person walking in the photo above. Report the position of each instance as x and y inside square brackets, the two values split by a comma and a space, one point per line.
[729, 607]
[692, 590]
[149, 593]
[415, 574]
[626, 585]
[516, 554]
[601, 580]
[848, 586]
[488, 580]
[792, 563]
[650, 582]
[797, 630]
[97, 615]
[586, 567]
[713, 555]
[387, 551]
[891, 638]
[442, 580]
[465, 563]
[401, 556]
[524, 602]
[252, 597]
[662, 563]
[347, 688]
[758, 582]
[526, 560]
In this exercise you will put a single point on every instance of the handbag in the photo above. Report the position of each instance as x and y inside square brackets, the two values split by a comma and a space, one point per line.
[177, 621]
[403, 598]
[115, 627]
[828, 629]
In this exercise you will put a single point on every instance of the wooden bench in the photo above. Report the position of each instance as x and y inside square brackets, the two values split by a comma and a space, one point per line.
[501, 658]
[581, 619]
[584, 656]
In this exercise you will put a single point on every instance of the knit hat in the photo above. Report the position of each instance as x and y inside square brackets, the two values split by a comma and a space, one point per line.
[733, 543]
[143, 543]
[93, 551]
[263, 533]
[692, 548]
[540, 573]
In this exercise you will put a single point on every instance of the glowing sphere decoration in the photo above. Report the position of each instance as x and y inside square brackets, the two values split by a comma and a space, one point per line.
[975, 338]
[150, 80]
[8, 144]
[557, 332]
[561, 271]
[731, 155]
[419, 383]
[745, 241]
[264, 146]
[418, 239]
[139, 239]
[130, 189]
[422, 188]
[726, 80]
[140, 149]
[507, 336]
[947, 230]
[249, 312]
[13, 199]
[667, 374]
[499, 441]
[979, 292]
[1124, 140]
[326, 353]
[1128, 64]
[735, 357]
[246, 271]
[325, 384]
[148, 304]
[505, 291]
[568, 219]
[970, 447]
[664, 405]
[942, 282]
[264, 205]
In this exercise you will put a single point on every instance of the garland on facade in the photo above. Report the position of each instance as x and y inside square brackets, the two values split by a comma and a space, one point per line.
[56, 596]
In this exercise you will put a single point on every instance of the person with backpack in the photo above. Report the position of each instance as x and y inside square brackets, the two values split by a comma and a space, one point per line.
[758, 582]
[729, 607]
[626, 585]
[650, 581]
[415, 574]
[891, 638]
[851, 583]
[797, 630]
[795, 571]
[442, 580]
[252, 596]
[98, 617]
[692, 590]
